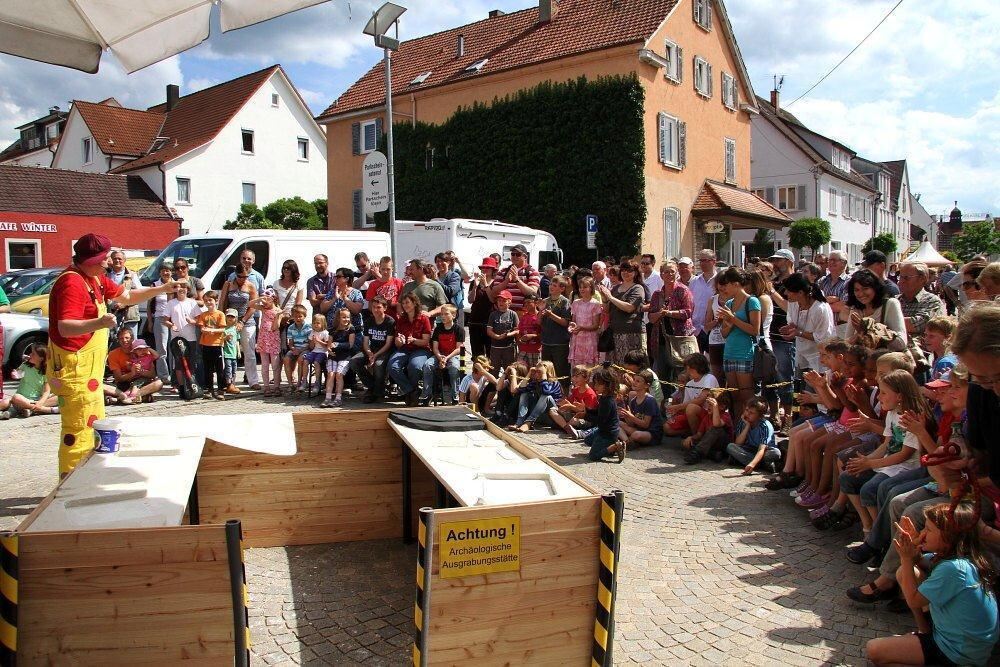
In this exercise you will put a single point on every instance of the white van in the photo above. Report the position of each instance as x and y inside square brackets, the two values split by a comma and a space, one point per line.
[472, 240]
[214, 255]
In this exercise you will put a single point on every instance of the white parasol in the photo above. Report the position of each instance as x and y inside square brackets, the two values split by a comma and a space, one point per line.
[926, 253]
[73, 33]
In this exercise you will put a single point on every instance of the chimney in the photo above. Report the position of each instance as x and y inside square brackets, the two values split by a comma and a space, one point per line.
[54, 109]
[173, 94]
[547, 10]
[775, 96]
[495, 13]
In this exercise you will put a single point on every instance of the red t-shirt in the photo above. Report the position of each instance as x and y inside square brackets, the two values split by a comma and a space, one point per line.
[706, 421]
[387, 289]
[415, 329]
[72, 300]
[529, 324]
[585, 395]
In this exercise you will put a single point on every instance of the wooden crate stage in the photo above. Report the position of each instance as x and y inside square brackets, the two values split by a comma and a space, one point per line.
[158, 595]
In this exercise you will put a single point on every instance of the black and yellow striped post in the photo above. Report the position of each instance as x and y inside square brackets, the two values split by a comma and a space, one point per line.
[8, 599]
[612, 507]
[425, 547]
[238, 585]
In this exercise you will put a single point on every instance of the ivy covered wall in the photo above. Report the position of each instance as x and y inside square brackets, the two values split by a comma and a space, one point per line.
[544, 158]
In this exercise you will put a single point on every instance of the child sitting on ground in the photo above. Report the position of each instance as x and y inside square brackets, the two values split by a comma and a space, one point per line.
[686, 409]
[714, 431]
[603, 438]
[505, 409]
[955, 580]
[33, 396]
[537, 396]
[477, 383]
[315, 356]
[569, 412]
[635, 361]
[640, 419]
[755, 443]
[937, 343]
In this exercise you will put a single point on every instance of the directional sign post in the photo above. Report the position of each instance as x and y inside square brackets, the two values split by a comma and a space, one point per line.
[591, 232]
[375, 183]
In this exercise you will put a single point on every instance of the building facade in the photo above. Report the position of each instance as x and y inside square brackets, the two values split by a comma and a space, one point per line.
[37, 141]
[249, 140]
[696, 120]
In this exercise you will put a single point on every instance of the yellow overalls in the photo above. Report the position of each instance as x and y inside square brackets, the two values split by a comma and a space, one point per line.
[77, 378]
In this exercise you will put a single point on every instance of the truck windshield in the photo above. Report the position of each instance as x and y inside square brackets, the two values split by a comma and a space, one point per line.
[199, 253]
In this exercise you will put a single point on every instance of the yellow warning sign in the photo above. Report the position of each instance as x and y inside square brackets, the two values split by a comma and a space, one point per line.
[478, 547]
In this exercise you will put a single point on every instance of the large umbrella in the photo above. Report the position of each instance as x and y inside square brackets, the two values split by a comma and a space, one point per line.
[926, 253]
[73, 33]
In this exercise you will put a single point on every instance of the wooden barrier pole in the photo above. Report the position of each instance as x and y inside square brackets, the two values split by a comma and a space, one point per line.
[8, 598]
[238, 584]
[612, 509]
[421, 611]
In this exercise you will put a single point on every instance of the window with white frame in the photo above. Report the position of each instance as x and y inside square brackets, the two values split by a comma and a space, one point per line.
[369, 136]
[303, 148]
[833, 201]
[249, 193]
[275, 99]
[845, 204]
[702, 76]
[247, 146]
[760, 192]
[788, 198]
[730, 93]
[674, 55]
[88, 150]
[671, 232]
[703, 13]
[730, 160]
[183, 190]
[23, 254]
[51, 131]
[672, 139]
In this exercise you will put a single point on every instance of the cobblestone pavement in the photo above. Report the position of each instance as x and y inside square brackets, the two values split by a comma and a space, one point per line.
[715, 570]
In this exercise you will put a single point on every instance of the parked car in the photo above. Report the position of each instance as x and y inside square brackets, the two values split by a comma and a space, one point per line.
[37, 303]
[29, 281]
[20, 331]
[9, 277]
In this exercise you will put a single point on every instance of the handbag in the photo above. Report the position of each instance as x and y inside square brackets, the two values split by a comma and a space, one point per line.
[606, 341]
[765, 365]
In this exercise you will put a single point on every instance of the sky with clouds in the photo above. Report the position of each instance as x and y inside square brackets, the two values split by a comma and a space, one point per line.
[924, 87]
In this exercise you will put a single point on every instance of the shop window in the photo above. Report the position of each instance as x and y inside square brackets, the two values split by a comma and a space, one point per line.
[23, 254]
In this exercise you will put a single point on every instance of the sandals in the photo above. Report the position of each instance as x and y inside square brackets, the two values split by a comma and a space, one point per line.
[784, 480]
[878, 594]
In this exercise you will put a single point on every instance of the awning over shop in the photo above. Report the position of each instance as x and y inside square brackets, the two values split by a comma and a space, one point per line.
[734, 206]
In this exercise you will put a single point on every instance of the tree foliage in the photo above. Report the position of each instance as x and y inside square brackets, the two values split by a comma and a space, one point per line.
[884, 242]
[249, 217]
[762, 244]
[321, 212]
[544, 158]
[977, 238]
[286, 213]
[809, 233]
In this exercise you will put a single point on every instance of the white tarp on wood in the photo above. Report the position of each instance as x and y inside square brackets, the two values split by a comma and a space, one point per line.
[926, 253]
[73, 33]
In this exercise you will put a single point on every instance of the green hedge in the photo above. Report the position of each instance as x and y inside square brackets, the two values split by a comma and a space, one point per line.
[545, 158]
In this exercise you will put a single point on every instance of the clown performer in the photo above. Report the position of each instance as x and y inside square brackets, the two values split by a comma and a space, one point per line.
[78, 341]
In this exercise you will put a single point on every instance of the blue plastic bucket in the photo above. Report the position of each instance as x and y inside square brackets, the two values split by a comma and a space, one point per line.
[107, 436]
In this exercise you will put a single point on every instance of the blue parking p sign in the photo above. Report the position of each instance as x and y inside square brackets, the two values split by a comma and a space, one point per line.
[591, 232]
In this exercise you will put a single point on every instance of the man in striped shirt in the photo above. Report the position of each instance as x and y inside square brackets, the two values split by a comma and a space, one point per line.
[520, 279]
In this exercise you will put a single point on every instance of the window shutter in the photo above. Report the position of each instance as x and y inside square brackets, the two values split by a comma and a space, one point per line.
[680, 64]
[694, 70]
[708, 78]
[356, 138]
[769, 195]
[682, 144]
[800, 197]
[378, 129]
[695, 14]
[358, 213]
[708, 15]
[661, 130]
[735, 97]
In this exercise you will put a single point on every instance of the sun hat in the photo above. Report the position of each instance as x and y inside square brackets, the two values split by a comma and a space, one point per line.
[489, 263]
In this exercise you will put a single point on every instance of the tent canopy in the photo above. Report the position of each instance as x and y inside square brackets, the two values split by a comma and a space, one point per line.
[73, 33]
[926, 253]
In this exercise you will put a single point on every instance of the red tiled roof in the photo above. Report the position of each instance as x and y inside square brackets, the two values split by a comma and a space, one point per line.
[508, 41]
[119, 130]
[199, 117]
[720, 198]
[61, 191]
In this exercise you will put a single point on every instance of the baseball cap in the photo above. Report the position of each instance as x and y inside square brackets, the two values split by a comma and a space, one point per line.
[91, 249]
[959, 372]
[685, 260]
[874, 257]
[505, 294]
[520, 248]
[232, 312]
[784, 253]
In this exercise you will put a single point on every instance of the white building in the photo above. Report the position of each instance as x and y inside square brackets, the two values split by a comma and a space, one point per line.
[924, 220]
[249, 140]
[808, 175]
[37, 141]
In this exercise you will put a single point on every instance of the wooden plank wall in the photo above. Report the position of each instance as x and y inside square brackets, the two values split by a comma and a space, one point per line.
[542, 615]
[125, 597]
[344, 483]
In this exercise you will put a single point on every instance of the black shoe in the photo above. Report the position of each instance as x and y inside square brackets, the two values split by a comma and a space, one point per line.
[692, 456]
[860, 554]
[858, 595]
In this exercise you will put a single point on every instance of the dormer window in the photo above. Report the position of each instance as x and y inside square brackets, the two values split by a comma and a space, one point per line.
[477, 66]
[420, 78]
[159, 143]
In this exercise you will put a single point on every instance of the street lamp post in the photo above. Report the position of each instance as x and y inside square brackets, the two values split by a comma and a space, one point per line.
[378, 25]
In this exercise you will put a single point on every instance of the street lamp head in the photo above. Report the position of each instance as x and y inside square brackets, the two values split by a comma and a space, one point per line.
[383, 18]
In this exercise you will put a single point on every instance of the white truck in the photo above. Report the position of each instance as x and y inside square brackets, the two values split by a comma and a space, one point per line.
[472, 240]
